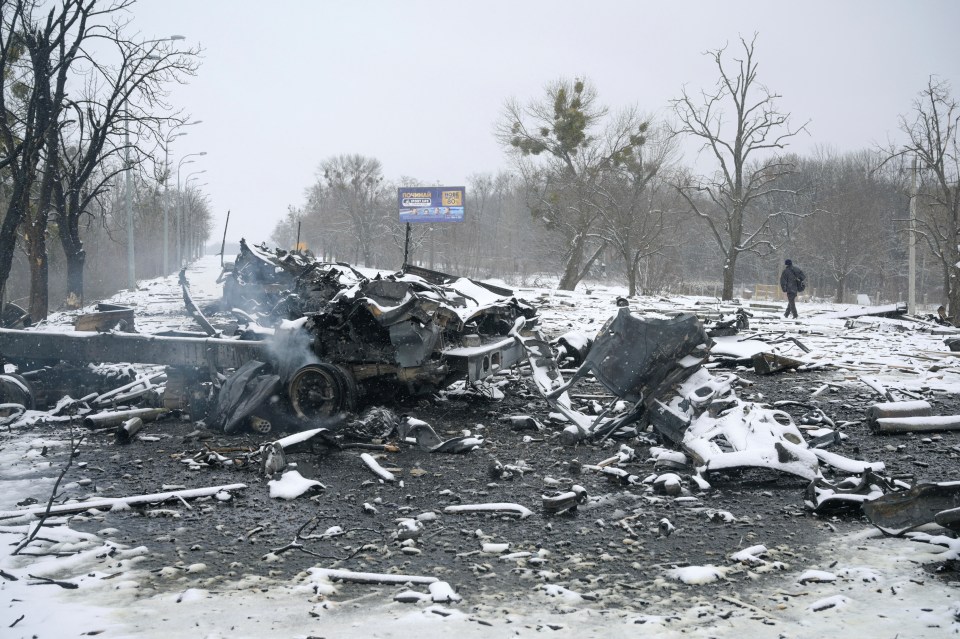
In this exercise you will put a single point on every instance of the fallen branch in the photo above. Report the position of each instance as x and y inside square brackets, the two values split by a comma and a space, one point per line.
[47, 510]
[296, 545]
[744, 604]
[47, 581]
[878, 387]
[373, 577]
[78, 507]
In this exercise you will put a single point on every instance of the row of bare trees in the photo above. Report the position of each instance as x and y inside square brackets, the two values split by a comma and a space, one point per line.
[83, 101]
[596, 192]
[855, 242]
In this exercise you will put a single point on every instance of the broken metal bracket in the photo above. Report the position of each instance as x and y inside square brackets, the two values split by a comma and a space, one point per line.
[480, 362]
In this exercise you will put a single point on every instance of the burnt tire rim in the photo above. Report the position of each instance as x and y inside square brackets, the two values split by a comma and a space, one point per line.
[322, 390]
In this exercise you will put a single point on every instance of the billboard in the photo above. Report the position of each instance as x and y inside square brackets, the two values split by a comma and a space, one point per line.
[431, 204]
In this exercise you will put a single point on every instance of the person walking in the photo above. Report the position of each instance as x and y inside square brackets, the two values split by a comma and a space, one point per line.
[792, 281]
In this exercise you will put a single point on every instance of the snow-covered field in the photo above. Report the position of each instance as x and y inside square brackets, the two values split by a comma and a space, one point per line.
[864, 585]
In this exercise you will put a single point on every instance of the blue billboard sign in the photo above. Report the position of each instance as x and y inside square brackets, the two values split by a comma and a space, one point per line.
[431, 204]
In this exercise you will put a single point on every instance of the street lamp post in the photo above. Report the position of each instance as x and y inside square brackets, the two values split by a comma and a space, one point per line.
[166, 204]
[166, 207]
[192, 232]
[188, 235]
[183, 161]
[912, 246]
[128, 203]
[128, 182]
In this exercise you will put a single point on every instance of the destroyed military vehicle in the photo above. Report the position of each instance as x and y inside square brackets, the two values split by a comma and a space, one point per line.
[294, 340]
[340, 333]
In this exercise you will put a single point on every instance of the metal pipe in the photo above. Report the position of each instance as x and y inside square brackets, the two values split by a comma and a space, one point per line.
[113, 418]
[128, 429]
[889, 425]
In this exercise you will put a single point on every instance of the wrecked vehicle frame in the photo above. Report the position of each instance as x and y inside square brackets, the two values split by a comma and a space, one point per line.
[331, 333]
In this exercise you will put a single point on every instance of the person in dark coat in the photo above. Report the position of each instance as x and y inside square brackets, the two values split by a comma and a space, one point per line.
[792, 281]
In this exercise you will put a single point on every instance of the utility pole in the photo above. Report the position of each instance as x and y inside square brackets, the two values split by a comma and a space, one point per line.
[223, 245]
[912, 252]
[131, 260]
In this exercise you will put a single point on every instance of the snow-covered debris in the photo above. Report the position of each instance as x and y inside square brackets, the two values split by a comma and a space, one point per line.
[376, 468]
[752, 555]
[292, 485]
[816, 576]
[746, 434]
[624, 511]
[698, 575]
[513, 509]
[835, 601]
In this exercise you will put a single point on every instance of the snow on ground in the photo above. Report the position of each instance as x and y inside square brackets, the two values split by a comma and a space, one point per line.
[879, 590]
[865, 585]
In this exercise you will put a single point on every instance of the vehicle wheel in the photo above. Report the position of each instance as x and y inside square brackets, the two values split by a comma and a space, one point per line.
[14, 389]
[322, 390]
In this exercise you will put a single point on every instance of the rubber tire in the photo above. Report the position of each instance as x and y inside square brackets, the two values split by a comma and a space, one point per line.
[322, 390]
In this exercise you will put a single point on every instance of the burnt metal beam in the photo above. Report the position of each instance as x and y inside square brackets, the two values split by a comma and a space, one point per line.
[132, 348]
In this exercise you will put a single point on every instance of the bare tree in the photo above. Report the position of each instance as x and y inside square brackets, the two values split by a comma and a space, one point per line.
[562, 131]
[932, 139]
[741, 142]
[116, 99]
[635, 199]
[355, 183]
[32, 86]
[58, 142]
[857, 205]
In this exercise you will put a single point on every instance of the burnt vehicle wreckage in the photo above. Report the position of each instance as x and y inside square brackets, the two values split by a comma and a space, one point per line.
[350, 336]
[318, 348]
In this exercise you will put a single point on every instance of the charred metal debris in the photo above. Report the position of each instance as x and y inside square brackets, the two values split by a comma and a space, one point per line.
[316, 348]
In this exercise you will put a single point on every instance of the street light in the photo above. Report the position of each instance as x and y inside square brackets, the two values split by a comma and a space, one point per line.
[166, 208]
[131, 255]
[186, 184]
[167, 39]
[183, 161]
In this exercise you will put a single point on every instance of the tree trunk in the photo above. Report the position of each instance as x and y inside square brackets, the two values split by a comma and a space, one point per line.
[571, 270]
[729, 268]
[954, 296]
[16, 211]
[68, 229]
[633, 273]
[947, 288]
[841, 290]
[632, 280]
[75, 265]
[39, 270]
[576, 273]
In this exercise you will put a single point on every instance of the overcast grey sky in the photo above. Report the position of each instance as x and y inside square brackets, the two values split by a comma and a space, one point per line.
[419, 84]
